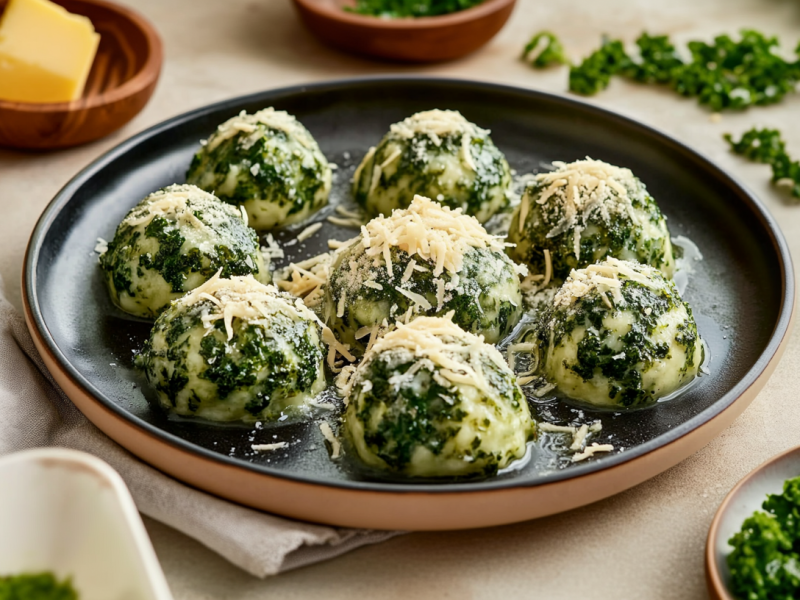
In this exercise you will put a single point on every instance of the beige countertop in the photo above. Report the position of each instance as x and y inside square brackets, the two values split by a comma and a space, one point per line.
[644, 543]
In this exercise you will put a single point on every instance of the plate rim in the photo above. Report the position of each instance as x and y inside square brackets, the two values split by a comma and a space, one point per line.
[65, 194]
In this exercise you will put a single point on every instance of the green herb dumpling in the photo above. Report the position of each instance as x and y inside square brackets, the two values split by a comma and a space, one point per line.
[431, 400]
[234, 350]
[267, 162]
[583, 211]
[425, 260]
[171, 242]
[619, 336]
[438, 154]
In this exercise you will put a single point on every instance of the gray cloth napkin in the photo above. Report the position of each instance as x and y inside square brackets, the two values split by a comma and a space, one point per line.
[34, 412]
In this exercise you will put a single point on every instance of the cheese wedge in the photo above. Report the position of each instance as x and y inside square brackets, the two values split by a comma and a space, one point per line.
[46, 53]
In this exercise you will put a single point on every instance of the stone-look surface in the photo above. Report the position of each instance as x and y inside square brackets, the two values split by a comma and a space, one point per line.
[644, 543]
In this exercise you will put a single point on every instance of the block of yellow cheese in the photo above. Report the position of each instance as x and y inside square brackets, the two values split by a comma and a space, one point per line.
[46, 53]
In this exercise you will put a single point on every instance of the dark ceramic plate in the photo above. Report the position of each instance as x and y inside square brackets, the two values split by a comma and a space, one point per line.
[742, 293]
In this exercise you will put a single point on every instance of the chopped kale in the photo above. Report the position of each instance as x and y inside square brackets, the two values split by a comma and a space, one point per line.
[544, 50]
[724, 74]
[594, 73]
[767, 146]
[765, 561]
[410, 8]
[36, 586]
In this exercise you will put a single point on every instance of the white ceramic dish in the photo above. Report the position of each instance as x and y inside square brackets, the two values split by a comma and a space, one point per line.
[70, 513]
[742, 501]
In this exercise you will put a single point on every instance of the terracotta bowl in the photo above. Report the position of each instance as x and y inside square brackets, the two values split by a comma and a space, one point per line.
[425, 39]
[122, 79]
[742, 501]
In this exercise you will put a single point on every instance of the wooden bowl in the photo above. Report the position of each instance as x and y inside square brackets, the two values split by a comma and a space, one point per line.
[424, 39]
[742, 501]
[122, 79]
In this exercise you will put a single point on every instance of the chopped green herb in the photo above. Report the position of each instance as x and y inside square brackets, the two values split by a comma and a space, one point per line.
[544, 50]
[766, 146]
[594, 73]
[36, 586]
[410, 8]
[724, 74]
[765, 562]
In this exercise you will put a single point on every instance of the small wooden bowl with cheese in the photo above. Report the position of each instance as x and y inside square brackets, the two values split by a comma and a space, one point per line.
[122, 78]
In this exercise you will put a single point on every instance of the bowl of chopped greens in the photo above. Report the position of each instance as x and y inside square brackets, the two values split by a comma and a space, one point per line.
[753, 547]
[69, 530]
[406, 30]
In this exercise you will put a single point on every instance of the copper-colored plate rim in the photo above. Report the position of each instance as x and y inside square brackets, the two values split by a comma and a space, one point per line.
[713, 576]
[752, 377]
[143, 78]
[475, 13]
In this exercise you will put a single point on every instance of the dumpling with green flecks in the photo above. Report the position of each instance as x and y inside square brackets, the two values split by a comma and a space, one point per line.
[424, 260]
[267, 162]
[618, 335]
[235, 350]
[581, 212]
[431, 400]
[173, 241]
[438, 154]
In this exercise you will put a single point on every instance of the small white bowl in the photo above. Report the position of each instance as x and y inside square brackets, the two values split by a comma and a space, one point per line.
[70, 513]
[742, 501]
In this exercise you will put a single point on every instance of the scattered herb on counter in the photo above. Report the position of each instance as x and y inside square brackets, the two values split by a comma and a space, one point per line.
[765, 562]
[410, 8]
[766, 146]
[544, 50]
[36, 586]
[725, 74]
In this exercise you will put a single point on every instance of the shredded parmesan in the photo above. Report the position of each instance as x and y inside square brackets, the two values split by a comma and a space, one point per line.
[178, 203]
[308, 232]
[249, 125]
[436, 124]
[327, 433]
[591, 451]
[573, 192]
[458, 354]
[269, 447]
[433, 233]
[579, 438]
[306, 279]
[605, 278]
[101, 247]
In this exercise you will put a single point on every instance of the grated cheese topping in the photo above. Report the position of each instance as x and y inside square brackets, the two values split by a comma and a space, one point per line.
[306, 279]
[249, 300]
[437, 124]
[327, 433]
[460, 355]
[249, 124]
[573, 192]
[434, 233]
[605, 278]
[178, 203]
[269, 447]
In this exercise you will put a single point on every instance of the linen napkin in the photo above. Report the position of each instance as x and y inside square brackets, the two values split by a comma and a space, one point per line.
[34, 412]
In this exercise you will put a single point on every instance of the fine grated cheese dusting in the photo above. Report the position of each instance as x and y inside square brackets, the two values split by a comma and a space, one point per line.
[575, 191]
[249, 124]
[432, 232]
[179, 203]
[606, 278]
[437, 124]
[460, 355]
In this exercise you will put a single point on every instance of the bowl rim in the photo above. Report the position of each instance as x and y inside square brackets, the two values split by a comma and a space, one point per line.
[81, 462]
[144, 77]
[326, 11]
[714, 579]
[772, 350]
